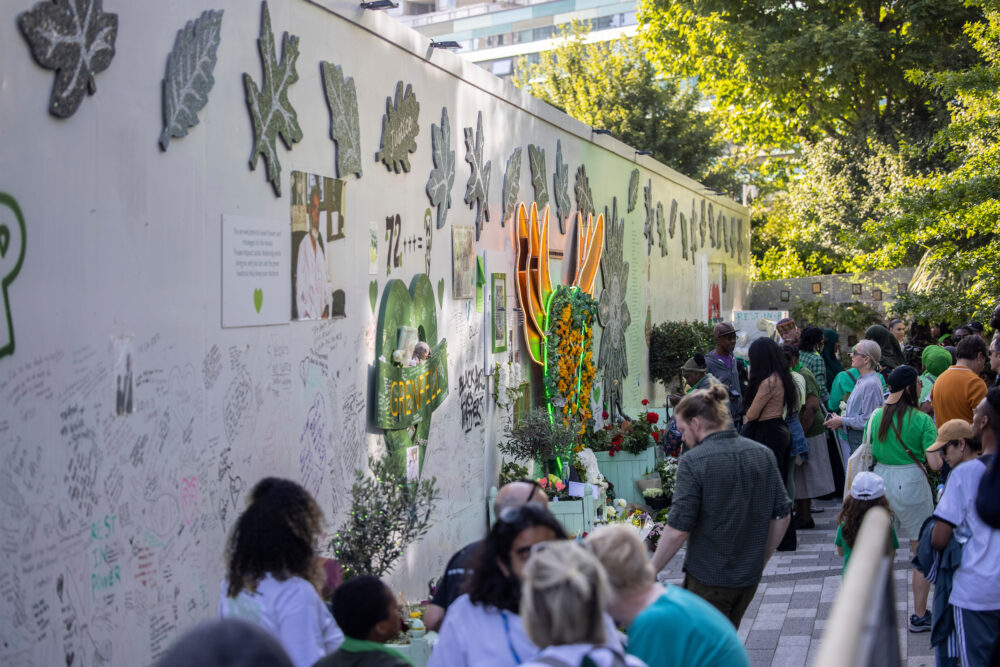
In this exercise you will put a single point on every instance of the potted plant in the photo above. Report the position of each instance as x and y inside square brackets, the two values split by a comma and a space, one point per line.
[625, 452]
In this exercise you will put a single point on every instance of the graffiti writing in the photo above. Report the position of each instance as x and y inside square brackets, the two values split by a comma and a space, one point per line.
[472, 393]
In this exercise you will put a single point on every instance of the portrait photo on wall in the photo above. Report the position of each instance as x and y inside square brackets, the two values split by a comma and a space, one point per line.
[498, 310]
[463, 260]
[317, 219]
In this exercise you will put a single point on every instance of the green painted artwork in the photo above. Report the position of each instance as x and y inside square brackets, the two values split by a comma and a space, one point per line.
[373, 294]
[12, 244]
[342, 101]
[258, 299]
[400, 128]
[190, 74]
[560, 188]
[406, 395]
[272, 114]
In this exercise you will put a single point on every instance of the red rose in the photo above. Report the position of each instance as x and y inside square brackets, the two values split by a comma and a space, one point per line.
[652, 417]
[604, 414]
[611, 452]
[617, 440]
[645, 401]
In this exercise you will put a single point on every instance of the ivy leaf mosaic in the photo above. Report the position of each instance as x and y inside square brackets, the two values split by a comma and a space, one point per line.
[560, 186]
[345, 130]
[718, 230]
[711, 224]
[76, 38]
[612, 310]
[189, 76]
[584, 198]
[270, 110]
[633, 190]
[443, 174]
[701, 223]
[477, 189]
[673, 217]
[647, 225]
[725, 231]
[739, 241]
[661, 229]
[536, 161]
[732, 237]
[511, 185]
[684, 235]
[400, 127]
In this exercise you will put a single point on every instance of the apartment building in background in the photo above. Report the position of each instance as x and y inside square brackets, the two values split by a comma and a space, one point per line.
[495, 34]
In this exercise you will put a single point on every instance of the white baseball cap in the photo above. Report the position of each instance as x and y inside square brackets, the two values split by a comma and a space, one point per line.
[867, 486]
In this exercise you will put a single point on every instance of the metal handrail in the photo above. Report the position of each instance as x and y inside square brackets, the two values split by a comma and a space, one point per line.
[862, 629]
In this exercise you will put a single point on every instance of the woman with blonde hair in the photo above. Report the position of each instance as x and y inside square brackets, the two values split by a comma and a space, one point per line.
[563, 596]
[274, 574]
[666, 625]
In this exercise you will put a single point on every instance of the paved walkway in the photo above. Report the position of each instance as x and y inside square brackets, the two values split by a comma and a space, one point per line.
[784, 625]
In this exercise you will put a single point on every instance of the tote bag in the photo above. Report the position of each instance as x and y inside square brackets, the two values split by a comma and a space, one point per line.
[861, 460]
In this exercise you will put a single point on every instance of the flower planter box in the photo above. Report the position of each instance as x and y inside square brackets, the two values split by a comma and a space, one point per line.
[623, 469]
[576, 516]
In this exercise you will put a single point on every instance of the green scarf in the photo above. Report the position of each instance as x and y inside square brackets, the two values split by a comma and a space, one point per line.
[797, 367]
[362, 645]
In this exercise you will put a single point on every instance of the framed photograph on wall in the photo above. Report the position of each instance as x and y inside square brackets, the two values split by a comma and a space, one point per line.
[498, 312]
[463, 263]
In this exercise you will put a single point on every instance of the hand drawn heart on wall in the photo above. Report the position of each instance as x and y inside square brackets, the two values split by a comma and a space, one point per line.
[406, 396]
[258, 298]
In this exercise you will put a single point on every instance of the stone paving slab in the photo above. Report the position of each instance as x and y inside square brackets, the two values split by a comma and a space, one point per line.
[784, 625]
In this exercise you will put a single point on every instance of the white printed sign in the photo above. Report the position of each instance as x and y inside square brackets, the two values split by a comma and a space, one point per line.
[256, 271]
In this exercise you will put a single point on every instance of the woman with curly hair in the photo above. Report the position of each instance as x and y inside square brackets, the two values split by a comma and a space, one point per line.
[273, 574]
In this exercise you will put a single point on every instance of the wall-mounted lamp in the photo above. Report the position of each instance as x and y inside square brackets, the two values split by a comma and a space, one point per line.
[644, 152]
[449, 44]
[379, 4]
[597, 130]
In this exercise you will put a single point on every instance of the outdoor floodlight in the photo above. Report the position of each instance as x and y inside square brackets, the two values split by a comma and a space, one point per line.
[379, 4]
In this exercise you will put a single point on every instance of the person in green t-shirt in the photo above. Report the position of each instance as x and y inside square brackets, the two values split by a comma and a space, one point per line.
[666, 625]
[867, 491]
[936, 360]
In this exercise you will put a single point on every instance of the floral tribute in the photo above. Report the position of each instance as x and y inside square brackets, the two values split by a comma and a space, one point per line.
[632, 435]
[568, 355]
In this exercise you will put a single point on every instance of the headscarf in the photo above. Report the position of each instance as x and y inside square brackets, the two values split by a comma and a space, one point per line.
[833, 366]
[935, 359]
[892, 354]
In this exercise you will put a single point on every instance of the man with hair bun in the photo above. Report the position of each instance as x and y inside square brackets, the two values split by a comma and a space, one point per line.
[729, 505]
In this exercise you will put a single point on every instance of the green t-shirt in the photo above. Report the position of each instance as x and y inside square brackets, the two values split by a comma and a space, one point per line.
[839, 541]
[680, 628]
[918, 431]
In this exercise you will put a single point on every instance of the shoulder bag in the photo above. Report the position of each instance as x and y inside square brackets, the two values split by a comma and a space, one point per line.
[923, 467]
[861, 460]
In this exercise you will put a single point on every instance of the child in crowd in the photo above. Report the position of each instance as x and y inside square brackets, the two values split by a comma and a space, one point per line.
[366, 611]
[867, 491]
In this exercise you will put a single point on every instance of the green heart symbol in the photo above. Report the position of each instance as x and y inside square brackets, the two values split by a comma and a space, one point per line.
[373, 293]
[4, 240]
[406, 396]
[441, 293]
[597, 394]
[258, 298]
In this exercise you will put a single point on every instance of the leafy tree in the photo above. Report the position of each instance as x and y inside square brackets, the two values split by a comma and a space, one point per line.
[784, 73]
[673, 343]
[388, 513]
[613, 85]
[954, 214]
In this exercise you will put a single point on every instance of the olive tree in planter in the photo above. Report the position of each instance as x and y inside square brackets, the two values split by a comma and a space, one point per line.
[539, 438]
[388, 513]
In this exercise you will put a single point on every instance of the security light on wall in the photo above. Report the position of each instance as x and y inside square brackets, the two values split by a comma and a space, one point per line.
[644, 152]
[876, 295]
[379, 4]
[817, 288]
[599, 130]
[447, 44]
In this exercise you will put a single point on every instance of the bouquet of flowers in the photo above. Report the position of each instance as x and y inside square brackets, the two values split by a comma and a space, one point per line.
[554, 488]
[668, 475]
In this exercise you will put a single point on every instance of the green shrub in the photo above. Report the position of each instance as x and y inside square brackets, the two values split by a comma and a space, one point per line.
[673, 343]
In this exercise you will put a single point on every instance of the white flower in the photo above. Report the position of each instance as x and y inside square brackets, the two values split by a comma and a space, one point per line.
[593, 472]
[652, 492]
[621, 502]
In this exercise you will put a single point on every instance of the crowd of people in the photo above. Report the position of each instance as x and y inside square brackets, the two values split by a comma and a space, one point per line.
[761, 439]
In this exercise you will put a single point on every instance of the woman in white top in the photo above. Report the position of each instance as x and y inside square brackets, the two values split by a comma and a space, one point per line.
[482, 627]
[274, 574]
[562, 602]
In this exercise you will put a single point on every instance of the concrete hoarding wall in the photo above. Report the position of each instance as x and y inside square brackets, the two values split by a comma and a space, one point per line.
[113, 526]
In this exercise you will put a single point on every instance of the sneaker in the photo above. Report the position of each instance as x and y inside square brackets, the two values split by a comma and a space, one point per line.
[920, 623]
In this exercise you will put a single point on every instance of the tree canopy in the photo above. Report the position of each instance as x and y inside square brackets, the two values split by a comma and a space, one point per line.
[614, 86]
